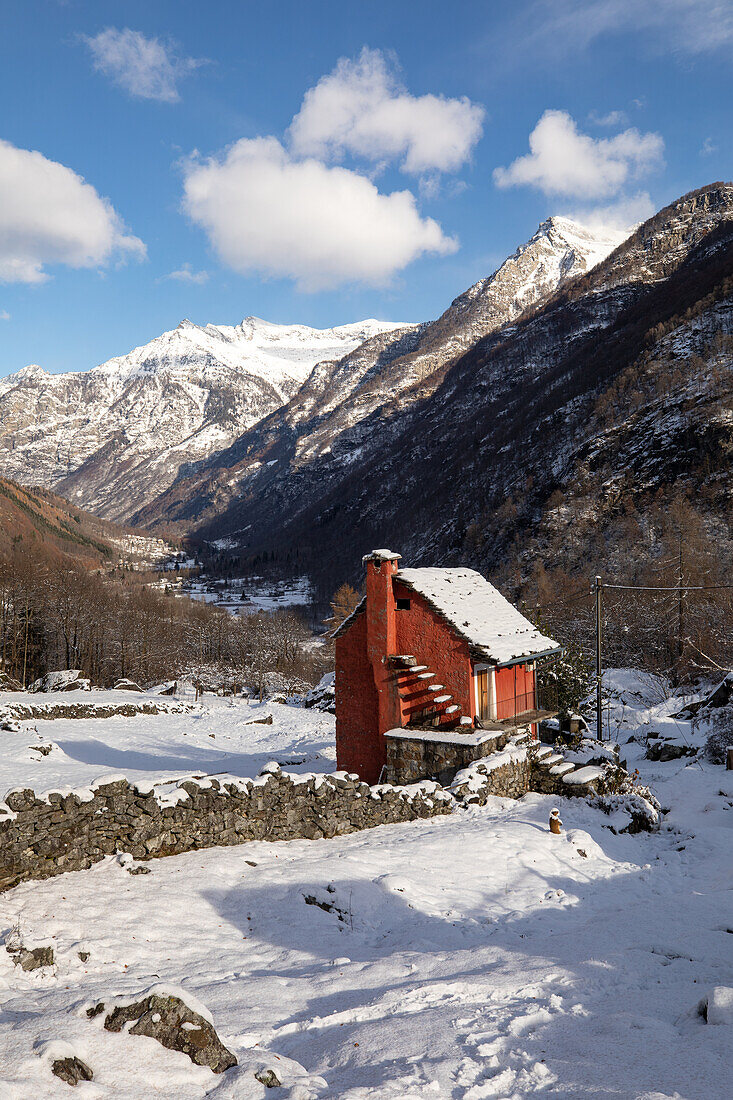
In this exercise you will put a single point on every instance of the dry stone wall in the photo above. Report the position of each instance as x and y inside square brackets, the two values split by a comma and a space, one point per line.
[23, 711]
[437, 755]
[45, 836]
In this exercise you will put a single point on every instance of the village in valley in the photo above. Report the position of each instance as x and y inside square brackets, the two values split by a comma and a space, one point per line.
[366, 685]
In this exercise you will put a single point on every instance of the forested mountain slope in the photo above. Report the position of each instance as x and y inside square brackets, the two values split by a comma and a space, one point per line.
[353, 405]
[43, 526]
[468, 473]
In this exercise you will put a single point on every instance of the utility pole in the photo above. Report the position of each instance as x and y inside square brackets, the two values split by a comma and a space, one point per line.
[599, 666]
[680, 612]
[25, 646]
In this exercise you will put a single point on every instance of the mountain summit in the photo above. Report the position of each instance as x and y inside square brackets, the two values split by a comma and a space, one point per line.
[611, 387]
[352, 404]
[113, 438]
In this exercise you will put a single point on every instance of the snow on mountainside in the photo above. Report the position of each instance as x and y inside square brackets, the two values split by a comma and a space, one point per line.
[114, 437]
[559, 251]
[459, 469]
[346, 404]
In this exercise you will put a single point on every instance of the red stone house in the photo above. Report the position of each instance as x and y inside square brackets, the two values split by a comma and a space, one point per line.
[430, 649]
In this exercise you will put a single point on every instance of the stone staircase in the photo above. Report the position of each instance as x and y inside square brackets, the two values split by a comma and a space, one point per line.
[426, 703]
[553, 774]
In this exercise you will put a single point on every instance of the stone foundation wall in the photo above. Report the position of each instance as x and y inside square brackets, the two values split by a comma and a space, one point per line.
[511, 779]
[40, 837]
[433, 756]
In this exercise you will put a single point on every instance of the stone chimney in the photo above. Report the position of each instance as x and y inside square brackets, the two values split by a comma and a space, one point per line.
[381, 565]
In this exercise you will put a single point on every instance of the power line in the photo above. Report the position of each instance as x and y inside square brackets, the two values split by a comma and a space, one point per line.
[674, 588]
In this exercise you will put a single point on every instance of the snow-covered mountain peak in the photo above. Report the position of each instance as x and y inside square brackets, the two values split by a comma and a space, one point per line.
[559, 250]
[593, 244]
[115, 436]
[28, 374]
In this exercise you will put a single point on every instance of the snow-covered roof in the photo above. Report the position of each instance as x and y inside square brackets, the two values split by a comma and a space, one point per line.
[344, 626]
[494, 629]
[379, 556]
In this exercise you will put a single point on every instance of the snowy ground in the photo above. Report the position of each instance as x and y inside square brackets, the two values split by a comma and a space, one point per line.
[467, 957]
[215, 736]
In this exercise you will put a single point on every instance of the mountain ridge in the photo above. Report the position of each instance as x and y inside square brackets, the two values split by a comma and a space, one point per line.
[111, 437]
[465, 473]
[388, 373]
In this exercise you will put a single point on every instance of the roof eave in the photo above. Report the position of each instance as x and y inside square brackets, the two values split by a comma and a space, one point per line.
[484, 655]
[348, 621]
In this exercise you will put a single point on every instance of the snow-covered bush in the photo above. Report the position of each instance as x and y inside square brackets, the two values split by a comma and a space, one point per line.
[631, 804]
[720, 736]
[632, 812]
[323, 695]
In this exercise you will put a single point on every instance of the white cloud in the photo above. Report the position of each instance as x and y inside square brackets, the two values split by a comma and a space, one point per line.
[361, 109]
[50, 215]
[685, 26]
[322, 226]
[624, 214]
[186, 274]
[708, 147]
[4, 315]
[144, 67]
[563, 161]
[612, 118]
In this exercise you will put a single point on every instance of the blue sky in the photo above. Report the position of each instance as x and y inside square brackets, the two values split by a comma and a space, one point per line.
[328, 161]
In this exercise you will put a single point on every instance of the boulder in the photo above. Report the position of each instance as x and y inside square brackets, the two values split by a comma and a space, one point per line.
[29, 958]
[164, 1016]
[717, 1006]
[66, 679]
[668, 750]
[323, 696]
[8, 683]
[268, 1078]
[721, 696]
[126, 685]
[71, 1070]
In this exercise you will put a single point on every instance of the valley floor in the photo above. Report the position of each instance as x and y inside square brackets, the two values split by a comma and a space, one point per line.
[465, 957]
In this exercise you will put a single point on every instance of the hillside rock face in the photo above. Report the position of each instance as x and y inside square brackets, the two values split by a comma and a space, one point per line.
[349, 405]
[113, 438]
[454, 470]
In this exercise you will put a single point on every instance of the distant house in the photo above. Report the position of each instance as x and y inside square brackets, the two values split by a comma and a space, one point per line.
[437, 649]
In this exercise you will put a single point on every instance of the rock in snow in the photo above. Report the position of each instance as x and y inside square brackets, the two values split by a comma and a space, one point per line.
[163, 1015]
[71, 1070]
[717, 1007]
[67, 679]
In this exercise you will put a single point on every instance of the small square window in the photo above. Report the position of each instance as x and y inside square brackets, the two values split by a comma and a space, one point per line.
[403, 605]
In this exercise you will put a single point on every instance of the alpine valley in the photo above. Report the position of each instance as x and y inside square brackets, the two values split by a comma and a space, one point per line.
[587, 370]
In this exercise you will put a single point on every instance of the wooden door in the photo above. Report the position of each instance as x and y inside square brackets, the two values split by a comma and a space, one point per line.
[482, 692]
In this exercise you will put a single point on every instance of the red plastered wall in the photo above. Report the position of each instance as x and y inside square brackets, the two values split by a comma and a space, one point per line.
[505, 690]
[423, 633]
[359, 743]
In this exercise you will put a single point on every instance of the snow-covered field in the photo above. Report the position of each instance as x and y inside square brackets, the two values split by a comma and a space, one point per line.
[217, 735]
[245, 595]
[465, 957]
